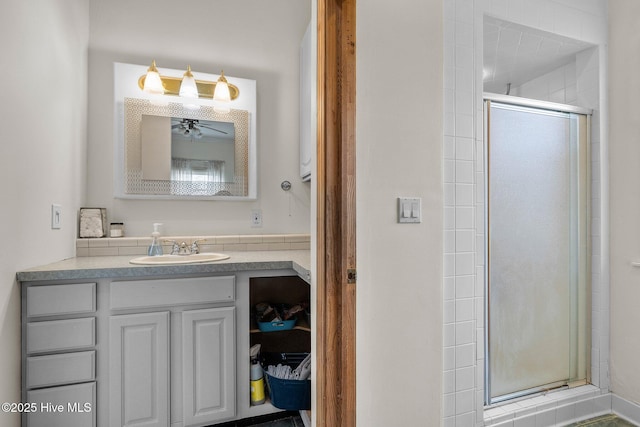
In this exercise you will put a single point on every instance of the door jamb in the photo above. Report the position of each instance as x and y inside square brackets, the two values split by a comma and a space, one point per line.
[336, 219]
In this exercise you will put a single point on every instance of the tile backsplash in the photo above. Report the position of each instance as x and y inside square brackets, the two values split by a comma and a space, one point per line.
[234, 243]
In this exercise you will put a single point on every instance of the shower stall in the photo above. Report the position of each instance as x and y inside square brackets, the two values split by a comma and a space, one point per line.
[537, 334]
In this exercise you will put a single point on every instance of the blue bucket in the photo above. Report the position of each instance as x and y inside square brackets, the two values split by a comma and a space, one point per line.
[292, 395]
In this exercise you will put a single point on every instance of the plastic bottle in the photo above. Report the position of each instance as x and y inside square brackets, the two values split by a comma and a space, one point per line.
[257, 383]
[155, 248]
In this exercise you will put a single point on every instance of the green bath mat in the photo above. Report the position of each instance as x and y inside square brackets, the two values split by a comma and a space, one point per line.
[604, 421]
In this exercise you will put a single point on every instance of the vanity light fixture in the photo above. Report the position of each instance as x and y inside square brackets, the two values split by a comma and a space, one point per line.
[221, 91]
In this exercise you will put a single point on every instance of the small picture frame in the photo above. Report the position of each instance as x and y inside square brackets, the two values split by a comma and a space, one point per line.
[93, 222]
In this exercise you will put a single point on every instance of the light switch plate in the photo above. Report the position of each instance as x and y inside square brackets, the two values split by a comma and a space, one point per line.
[56, 217]
[409, 210]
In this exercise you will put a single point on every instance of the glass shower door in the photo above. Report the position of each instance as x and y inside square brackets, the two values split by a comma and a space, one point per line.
[537, 263]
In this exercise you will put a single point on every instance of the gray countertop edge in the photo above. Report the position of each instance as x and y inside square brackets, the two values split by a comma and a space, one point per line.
[83, 268]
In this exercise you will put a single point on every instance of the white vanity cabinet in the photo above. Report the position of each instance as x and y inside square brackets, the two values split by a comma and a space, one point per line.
[152, 347]
[59, 369]
[140, 371]
[171, 363]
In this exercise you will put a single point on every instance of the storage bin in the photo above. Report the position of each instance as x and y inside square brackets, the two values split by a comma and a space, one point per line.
[277, 325]
[280, 325]
[292, 395]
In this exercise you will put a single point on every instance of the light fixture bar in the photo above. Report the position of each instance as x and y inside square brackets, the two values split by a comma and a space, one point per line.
[205, 88]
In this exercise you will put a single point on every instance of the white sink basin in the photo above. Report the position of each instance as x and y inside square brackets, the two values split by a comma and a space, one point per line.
[179, 259]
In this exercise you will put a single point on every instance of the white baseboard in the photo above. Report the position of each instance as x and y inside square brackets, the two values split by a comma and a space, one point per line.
[623, 408]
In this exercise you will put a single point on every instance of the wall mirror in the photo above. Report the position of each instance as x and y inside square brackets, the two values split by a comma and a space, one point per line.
[168, 150]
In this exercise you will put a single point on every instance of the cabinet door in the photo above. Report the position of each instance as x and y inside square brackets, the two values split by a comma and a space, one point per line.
[139, 370]
[208, 365]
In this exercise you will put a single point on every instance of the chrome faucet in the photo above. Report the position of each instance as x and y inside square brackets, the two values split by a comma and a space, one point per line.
[195, 249]
[175, 247]
[184, 249]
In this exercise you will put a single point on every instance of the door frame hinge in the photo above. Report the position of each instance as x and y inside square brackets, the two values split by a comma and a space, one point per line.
[352, 275]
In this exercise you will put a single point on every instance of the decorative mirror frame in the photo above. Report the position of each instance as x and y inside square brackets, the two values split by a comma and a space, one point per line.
[129, 105]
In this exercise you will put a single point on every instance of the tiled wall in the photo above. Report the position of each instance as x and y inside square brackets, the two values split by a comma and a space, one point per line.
[575, 83]
[560, 85]
[464, 190]
[463, 166]
[139, 245]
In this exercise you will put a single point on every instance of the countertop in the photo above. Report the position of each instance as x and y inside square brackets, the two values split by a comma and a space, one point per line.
[119, 266]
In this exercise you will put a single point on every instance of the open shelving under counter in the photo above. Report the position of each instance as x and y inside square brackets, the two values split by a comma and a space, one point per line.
[289, 290]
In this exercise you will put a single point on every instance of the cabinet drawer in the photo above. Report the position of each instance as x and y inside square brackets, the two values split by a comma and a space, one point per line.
[154, 293]
[78, 406]
[57, 335]
[51, 300]
[59, 369]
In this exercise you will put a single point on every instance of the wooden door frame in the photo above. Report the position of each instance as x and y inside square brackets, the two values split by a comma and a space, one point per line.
[336, 220]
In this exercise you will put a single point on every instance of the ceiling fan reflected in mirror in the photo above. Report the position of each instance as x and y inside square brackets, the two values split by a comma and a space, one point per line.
[193, 128]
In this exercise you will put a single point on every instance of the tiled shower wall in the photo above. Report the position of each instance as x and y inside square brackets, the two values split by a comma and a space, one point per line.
[559, 85]
[464, 182]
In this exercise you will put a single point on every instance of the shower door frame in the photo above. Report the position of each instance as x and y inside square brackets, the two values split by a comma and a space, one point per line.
[488, 98]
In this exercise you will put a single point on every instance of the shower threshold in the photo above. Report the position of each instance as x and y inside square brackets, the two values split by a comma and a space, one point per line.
[530, 406]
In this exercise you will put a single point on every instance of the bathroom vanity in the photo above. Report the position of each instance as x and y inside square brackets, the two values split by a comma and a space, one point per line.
[108, 343]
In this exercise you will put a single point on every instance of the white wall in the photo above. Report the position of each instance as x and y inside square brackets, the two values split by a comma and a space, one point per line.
[399, 153]
[624, 138]
[251, 39]
[42, 152]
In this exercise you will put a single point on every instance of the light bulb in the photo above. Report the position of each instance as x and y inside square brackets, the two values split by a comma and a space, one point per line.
[221, 92]
[152, 82]
[188, 87]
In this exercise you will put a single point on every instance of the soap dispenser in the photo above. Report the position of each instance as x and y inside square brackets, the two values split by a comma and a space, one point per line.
[155, 248]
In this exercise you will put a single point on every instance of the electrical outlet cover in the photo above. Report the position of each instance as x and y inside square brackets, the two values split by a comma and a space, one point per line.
[256, 218]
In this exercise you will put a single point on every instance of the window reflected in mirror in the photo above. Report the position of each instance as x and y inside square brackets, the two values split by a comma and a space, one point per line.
[202, 152]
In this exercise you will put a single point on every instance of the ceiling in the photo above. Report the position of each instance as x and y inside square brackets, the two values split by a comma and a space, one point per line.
[516, 54]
